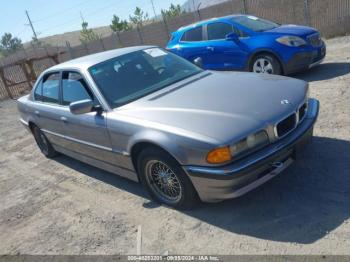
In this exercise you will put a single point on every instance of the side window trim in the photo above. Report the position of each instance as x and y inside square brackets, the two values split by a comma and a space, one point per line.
[59, 87]
[203, 35]
[38, 85]
[217, 22]
[239, 29]
[235, 29]
[90, 90]
[60, 92]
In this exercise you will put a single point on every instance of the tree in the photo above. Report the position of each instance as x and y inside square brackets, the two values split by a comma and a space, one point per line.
[87, 35]
[9, 44]
[139, 17]
[174, 10]
[119, 25]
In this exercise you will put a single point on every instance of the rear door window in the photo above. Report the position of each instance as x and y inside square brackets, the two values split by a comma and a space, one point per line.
[74, 88]
[193, 35]
[218, 31]
[50, 88]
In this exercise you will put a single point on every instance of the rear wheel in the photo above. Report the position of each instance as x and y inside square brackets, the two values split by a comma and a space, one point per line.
[43, 143]
[165, 180]
[265, 64]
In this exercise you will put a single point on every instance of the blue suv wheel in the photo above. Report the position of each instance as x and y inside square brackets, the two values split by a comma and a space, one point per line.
[265, 63]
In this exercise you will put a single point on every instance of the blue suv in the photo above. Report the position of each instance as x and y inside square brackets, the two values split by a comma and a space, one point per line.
[245, 42]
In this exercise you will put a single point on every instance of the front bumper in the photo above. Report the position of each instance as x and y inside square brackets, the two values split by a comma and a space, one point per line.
[305, 59]
[214, 184]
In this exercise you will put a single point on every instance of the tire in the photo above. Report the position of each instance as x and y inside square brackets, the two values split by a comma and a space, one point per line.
[266, 63]
[165, 180]
[43, 143]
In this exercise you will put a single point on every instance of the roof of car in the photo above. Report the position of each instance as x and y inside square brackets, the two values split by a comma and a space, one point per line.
[206, 21]
[85, 62]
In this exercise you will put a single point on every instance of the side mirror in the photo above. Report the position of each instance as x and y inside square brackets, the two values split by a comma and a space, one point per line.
[232, 37]
[81, 107]
[198, 62]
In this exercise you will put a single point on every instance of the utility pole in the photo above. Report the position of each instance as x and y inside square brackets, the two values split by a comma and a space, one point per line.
[31, 25]
[154, 10]
[82, 17]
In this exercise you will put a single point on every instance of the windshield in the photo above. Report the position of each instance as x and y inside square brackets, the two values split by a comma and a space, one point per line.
[254, 23]
[128, 77]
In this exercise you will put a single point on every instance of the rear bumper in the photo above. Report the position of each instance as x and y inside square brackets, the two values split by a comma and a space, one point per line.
[305, 59]
[214, 184]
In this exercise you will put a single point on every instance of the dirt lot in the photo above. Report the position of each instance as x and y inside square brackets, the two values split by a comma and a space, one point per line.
[62, 206]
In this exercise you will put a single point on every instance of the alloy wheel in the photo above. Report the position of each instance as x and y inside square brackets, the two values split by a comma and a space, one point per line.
[163, 181]
[263, 65]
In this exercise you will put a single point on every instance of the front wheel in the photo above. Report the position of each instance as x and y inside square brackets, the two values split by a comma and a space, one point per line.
[165, 180]
[266, 64]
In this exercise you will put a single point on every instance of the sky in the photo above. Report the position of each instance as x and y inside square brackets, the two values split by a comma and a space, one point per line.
[55, 17]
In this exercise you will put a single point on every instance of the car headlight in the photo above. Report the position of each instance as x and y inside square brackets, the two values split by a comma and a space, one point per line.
[251, 142]
[224, 154]
[291, 41]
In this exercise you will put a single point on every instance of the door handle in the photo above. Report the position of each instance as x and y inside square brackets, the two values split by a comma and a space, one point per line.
[36, 112]
[210, 48]
[64, 119]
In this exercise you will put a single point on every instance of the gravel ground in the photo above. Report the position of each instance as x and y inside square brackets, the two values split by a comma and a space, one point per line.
[62, 206]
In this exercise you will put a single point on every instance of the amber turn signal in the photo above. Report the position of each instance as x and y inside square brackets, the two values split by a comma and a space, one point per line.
[219, 155]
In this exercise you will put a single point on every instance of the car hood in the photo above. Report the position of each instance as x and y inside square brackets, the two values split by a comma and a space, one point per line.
[297, 30]
[224, 106]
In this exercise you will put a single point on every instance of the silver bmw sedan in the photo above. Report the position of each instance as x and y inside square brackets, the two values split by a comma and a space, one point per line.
[185, 133]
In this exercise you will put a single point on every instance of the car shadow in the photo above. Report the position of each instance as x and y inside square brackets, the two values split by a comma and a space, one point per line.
[104, 176]
[301, 205]
[324, 71]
